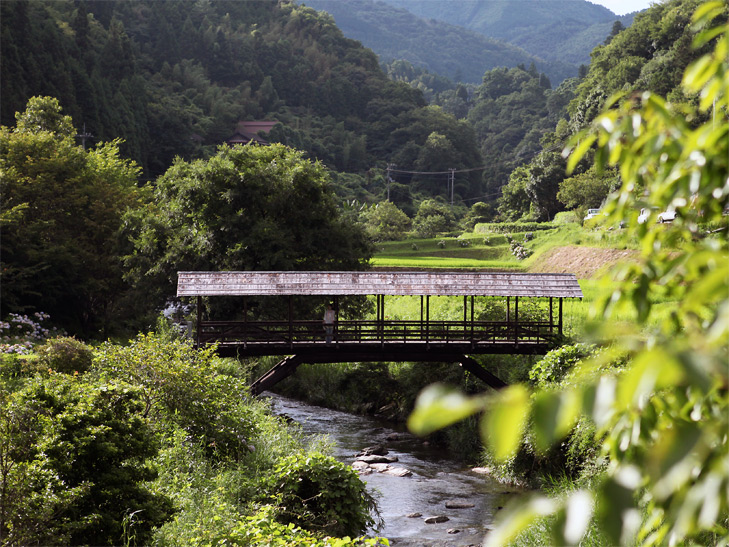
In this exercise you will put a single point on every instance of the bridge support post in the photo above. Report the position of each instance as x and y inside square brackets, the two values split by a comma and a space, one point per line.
[283, 369]
[472, 366]
[199, 320]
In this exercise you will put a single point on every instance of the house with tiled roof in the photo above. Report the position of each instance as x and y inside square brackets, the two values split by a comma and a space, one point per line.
[249, 131]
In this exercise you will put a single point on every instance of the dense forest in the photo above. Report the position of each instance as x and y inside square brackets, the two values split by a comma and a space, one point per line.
[174, 78]
[564, 31]
[120, 71]
[456, 52]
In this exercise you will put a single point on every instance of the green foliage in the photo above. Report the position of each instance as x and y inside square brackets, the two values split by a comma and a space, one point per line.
[557, 363]
[320, 494]
[65, 354]
[385, 222]
[514, 202]
[74, 464]
[510, 114]
[651, 54]
[664, 417]
[512, 227]
[479, 212]
[181, 386]
[43, 114]
[433, 217]
[61, 210]
[587, 190]
[264, 528]
[234, 212]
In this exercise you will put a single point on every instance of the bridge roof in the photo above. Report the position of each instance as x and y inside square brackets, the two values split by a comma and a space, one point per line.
[416, 283]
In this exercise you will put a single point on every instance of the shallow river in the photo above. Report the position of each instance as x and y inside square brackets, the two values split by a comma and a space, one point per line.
[435, 478]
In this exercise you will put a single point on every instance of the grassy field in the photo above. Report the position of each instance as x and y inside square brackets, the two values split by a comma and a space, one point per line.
[491, 252]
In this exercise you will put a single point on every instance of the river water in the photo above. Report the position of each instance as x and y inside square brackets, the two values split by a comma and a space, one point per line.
[436, 479]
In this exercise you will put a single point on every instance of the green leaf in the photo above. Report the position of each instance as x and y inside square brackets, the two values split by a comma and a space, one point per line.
[439, 406]
[504, 424]
[515, 519]
[553, 415]
[617, 508]
[583, 145]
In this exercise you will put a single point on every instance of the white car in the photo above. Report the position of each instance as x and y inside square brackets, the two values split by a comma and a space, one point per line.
[664, 217]
[667, 216]
[645, 212]
[591, 213]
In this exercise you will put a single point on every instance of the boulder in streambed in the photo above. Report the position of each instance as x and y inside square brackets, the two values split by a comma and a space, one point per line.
[398, 472]
[377, 459]
[376, 450]
[380, 467]
[362, 468]
[414, 515]
[453, 504]
[436, 519]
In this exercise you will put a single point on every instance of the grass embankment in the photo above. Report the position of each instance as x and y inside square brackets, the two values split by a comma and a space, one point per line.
[490, 250]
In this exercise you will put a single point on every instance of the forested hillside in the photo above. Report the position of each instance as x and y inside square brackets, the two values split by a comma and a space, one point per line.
[456, 52]
[558, 30]
[174, 78]
[650, 55]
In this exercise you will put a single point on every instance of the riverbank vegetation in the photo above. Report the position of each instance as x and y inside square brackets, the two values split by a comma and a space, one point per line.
[155, 443]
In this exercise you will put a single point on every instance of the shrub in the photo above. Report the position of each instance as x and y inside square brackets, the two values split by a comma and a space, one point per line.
[181, 385]
[507, 227]
[75, 464]
[21, 333]
[320, 494]
[554, 366]
[441, 244]
[65, 354]
[518, 250]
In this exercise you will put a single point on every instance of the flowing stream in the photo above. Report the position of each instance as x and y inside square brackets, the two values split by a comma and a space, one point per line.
[436, 479]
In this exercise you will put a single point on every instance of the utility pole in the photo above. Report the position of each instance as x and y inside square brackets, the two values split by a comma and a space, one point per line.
[452, 182]
[389, 178]
[83, 136]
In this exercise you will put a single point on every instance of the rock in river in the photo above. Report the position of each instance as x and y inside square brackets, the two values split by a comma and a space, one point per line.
[437, 519]
[458, 505]
[398, 472]
[376, 450]
[377, 459]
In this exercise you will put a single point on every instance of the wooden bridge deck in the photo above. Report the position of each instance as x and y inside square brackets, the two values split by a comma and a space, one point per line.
[246, 338]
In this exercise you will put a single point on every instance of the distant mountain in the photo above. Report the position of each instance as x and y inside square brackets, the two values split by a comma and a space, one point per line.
[440, 47]
[555, 30]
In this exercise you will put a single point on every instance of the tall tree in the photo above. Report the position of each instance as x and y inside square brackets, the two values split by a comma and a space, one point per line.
[247, 208]
[61, 210]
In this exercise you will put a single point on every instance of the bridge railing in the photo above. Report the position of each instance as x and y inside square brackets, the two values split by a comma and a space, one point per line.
[294, 333]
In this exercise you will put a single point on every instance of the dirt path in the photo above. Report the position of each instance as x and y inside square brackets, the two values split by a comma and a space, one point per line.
[584, 262]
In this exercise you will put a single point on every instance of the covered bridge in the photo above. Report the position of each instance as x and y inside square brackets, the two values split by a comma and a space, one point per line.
[504, 329]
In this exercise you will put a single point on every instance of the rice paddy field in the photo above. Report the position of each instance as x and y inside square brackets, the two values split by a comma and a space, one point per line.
[565, 249]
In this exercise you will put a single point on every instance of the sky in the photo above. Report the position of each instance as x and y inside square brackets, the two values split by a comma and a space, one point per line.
[621, 7]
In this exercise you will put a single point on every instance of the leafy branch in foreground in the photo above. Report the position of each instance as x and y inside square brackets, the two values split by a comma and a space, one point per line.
[663, 419]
